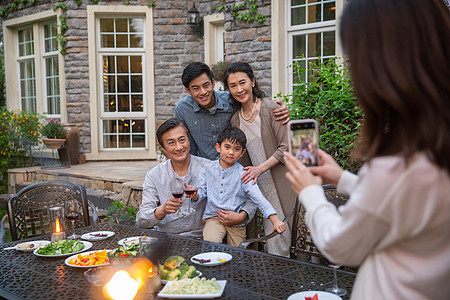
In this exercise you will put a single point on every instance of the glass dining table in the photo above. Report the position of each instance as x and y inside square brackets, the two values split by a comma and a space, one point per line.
[250, 274]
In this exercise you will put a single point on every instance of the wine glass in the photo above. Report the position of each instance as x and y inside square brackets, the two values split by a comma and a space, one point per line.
[190, 191]
[72, 212]
[177, 190]
[335, 289]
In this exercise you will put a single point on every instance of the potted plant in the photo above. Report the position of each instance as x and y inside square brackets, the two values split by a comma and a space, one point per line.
[53, 132]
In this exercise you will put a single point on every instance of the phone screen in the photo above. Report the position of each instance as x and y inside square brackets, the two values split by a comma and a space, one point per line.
[304, 141]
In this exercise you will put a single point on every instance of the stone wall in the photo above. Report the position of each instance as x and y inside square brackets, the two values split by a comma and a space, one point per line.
[175, 45]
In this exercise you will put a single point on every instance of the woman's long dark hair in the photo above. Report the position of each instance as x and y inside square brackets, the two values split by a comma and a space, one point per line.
[399, 55]
[242, 67]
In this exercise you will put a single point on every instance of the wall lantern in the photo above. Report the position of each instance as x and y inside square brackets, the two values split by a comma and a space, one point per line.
[195, 20]
[193, 16]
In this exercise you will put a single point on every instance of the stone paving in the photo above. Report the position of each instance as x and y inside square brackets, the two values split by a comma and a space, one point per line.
[124, 177]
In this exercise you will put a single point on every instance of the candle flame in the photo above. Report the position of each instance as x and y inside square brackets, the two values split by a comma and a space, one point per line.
[122, 286]
[57, 226]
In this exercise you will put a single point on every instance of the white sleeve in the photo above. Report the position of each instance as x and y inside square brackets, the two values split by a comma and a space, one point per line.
[344, 237]
[347, 183]
[145, 217]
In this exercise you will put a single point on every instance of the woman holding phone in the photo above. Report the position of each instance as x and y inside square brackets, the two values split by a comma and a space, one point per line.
[396, 224]
[266, 141]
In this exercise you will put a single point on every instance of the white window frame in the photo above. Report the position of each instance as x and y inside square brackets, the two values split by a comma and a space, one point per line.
[282, 33]
[98, 152]
[11, 62]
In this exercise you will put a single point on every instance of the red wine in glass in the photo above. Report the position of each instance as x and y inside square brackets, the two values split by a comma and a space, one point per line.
[177, 195]
[189, 193]
[72, 216]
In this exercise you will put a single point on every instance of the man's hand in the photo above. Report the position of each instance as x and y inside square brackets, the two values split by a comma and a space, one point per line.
[170, 207]
[282, 113]
[230, 218]
[194, 196]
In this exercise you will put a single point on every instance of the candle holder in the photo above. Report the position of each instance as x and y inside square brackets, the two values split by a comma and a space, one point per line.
[57, 224]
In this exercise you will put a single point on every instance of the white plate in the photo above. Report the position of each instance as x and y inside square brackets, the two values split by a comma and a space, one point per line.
[222, 284]
[163, 281]
[30, 246]
[135, 239]
[87, 246]
[129, 240]
[85, 253]
[213, 256]
[90, 236]
[321, 295]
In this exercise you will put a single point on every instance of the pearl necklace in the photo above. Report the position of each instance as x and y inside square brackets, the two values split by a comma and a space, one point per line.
[253, 110]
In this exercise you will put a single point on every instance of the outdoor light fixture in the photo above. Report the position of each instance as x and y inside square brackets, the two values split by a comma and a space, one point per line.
[193, 16]
[195, 20]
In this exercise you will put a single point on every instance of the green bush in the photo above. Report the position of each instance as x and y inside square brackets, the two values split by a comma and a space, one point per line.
[327, 96]
[53, 129]
[119, 213]
[19, 131]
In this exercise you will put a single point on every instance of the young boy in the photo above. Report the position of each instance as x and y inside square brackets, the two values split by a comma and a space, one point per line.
[220, 182]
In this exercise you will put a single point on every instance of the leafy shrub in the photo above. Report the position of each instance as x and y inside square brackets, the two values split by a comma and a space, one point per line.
[53, 129]
[218, 69]
[119, 213]
[19, 132]
[327, 96]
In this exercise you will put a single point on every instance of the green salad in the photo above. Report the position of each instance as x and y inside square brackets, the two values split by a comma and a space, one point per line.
[61, 247]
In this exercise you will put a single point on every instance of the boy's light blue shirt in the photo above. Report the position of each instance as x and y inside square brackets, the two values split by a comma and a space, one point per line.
[203, 124]
[224, 189]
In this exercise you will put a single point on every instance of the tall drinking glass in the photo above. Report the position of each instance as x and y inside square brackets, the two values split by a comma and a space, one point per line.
[177, 190]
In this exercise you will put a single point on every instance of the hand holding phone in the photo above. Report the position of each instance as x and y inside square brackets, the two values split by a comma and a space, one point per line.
[304, 141]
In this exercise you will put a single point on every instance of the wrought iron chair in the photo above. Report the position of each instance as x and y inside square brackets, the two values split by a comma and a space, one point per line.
[302, 245]
[28, 210]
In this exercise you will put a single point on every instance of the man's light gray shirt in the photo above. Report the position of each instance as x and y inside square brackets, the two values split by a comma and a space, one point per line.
[205, 125]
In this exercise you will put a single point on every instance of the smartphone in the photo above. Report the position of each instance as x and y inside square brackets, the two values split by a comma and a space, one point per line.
[304, 141]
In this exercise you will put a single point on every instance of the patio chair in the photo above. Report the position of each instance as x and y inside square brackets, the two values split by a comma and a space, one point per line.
[302, 245]
[28, 210]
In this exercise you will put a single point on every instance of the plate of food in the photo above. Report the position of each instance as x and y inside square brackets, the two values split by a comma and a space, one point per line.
[97, 235]
[176, 268]
[211, 258]
[314, 295]
[28, 246]
[63, 248]
[194, 288]
[89, 259]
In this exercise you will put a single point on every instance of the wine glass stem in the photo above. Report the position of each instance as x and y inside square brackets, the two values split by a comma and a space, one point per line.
[73, 227]
[335, 278]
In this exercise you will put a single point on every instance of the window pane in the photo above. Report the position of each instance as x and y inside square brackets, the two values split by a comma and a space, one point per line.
[52, 80]
[110, 103]
[329, 11]
[136, 64]
[109, 84]
[329, 43]
[121, 25]
[136, 41]
[314, 47]
[314, 13]
[299, 43]
[136, 84]
[122, 41]
[136, 103]
[106, 25]
[298, 16]
[26, 42]
[138, 126]
[108, 64]
[123, 84]
[123, 103]
[27, 85]
[122, 64]
[138, 141]
[50, 42]
[107, 40]
[136, 25]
